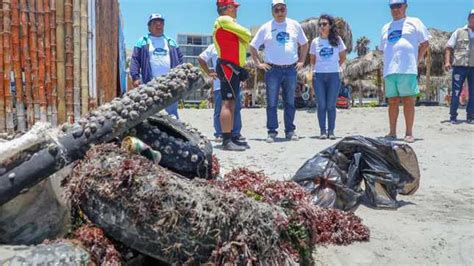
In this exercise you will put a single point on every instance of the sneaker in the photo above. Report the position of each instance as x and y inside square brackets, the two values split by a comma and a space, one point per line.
[470, 121]
[240, 138]
[231, 146]
[218, 139]
[292, 136]
[323, 136]
[453, 121]
[331, 136]
[270, 138]
[241, 143]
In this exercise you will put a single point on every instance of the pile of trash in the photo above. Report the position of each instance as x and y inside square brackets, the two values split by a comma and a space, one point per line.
[360, 170]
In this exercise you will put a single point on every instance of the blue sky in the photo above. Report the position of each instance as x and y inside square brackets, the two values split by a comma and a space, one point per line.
[366, 17]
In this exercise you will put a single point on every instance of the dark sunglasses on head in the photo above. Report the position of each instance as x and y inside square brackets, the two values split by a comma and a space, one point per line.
[280, 9]
[396, 6]
[323, 24]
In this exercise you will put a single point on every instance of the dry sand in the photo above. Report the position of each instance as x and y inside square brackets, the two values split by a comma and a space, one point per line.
[435, 226]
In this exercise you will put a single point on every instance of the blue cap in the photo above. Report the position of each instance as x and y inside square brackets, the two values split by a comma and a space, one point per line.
[155, 16]
[393, 2]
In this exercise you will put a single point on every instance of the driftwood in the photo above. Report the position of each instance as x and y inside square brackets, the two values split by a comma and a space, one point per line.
[108, 122]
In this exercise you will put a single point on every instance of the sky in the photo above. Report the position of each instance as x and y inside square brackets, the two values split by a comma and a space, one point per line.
[365, 17]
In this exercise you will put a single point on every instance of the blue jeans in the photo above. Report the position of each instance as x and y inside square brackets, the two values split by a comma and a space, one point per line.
[172, 109]
[460, 74]
[217, 116]
[284, 77]
[326, 88]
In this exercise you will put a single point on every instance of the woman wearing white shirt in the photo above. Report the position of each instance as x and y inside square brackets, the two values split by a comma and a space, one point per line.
[327, 53]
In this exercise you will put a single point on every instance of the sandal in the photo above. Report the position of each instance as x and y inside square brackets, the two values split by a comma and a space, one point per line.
[409, 139]
[390, 137]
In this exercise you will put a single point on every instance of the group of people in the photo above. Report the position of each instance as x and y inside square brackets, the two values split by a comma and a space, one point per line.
[404, 42]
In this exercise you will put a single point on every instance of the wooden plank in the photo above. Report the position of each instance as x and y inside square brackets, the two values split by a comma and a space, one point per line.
[26, 63]
[54, 74]
[33, 42]
[18, 75]
[47, 47]
[76, 4]
[60, 65]
[2, 92]
[7, 59]
[41, 61]
[84, 59]
[69, 48]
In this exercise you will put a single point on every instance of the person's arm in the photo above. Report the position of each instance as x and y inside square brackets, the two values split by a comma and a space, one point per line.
[302, 56]
[135, 66]
[180, 56]
[342, 57]
[205, 68]
[447, 58]
[422, 49]
[256, 59]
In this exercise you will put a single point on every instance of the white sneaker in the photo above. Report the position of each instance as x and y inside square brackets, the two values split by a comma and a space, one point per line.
[292, 136]
[270, 138]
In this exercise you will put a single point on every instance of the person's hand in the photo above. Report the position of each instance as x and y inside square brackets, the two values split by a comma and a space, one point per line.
[264, 66]
[213, 74]
[447, 66]
[299, 66]
[136, 83]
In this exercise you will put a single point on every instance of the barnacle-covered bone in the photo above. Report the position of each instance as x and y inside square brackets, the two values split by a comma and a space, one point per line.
[73, 144]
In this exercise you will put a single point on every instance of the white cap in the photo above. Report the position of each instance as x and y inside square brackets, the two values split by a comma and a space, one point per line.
[392, 2]
[277, 2]
[472, 12]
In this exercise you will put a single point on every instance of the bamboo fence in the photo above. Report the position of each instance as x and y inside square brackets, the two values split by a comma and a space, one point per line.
[48, 60]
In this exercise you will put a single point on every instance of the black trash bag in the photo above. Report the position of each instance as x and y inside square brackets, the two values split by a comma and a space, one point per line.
[360, 170]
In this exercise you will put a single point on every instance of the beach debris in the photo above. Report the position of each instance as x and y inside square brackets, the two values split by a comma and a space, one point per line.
[360, 170]
[241, 219]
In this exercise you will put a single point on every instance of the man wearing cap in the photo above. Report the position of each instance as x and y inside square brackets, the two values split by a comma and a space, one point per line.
[461, 46]
[210, 56]
[231, 41]
[404, 42]
[154, 55]
[281, 38]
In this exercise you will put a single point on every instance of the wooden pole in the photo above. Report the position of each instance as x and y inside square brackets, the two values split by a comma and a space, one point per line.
[77, 57]
[7, 52]
[428, 74]
[68, 14]
[61, 74]
[47, 46]
[33, 41]
[54, 75]
[84, 58]
[92, 46]
[41, 61]
[2, 92]
[20, 105]
[26, 63]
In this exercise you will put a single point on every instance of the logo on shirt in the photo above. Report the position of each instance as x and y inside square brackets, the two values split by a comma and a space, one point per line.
[283, 37]
[394, 36]
[160, 52]
[326, 52]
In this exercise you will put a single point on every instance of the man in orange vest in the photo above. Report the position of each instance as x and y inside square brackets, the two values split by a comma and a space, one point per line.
[231, 41]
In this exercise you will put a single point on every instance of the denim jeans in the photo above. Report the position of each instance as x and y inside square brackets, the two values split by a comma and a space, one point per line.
[284, 77]
[326, 88]
[460, 74]
[172, 109]
[217, 116]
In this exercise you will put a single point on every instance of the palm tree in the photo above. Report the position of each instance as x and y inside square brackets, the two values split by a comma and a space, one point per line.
[361, 46]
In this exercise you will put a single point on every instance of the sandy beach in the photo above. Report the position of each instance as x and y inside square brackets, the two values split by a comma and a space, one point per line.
[434, 226]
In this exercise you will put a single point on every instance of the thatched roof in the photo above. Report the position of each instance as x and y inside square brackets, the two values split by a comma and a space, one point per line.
[366, 85]
[438, 40]
[311, 29]
[437, 81]
[362, 66]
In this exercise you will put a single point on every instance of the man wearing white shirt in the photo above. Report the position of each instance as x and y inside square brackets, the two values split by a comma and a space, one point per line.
[210, 56]
[461, 46]
[281, 38]
[404, 42]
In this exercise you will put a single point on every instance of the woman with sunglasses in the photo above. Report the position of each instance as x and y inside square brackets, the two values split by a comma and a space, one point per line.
[327, 53]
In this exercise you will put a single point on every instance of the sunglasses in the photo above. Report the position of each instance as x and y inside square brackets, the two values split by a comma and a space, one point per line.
[279, 10]
[323, 24]
[396, 6]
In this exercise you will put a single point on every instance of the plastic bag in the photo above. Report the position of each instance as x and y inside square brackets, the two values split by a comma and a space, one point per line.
[359, 169]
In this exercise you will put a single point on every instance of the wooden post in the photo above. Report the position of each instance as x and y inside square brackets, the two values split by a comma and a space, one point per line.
[47, 46]
[54, 75]
[77, 57]
[68, 14]
[41, 61]
[255, 87]
[20, 105]
[7, 52]
[26, 63]
[2, 92]
[60, 57]
[34, 59]
[379, 86]
[84, 58]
